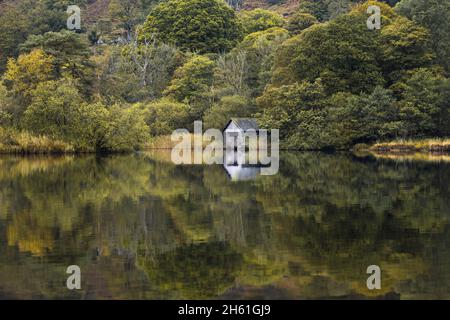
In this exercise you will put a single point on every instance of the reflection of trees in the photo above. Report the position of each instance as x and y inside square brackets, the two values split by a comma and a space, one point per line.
[54, 201]
[349, 215]
[195, 271]
[188, 232]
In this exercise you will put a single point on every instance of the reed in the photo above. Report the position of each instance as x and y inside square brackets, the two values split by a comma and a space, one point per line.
[21, 142]
[434, 145]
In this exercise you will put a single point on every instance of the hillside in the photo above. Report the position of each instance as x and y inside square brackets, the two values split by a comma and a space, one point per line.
[320, 76]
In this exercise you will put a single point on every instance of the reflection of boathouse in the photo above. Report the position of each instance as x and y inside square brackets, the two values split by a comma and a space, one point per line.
[236, 164]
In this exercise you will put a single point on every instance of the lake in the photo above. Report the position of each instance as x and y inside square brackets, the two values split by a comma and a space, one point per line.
[140, 227]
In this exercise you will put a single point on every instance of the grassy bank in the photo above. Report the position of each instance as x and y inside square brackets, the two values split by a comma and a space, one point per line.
[390, 147]
[165, 142]
[21, 142]
[16, 142]
[160, 142]
[412, 146]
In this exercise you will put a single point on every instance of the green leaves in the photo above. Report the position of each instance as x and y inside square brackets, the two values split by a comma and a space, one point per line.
[70, 53]
[374, 83]
[300, 21]
[424, 105]
[192, 84]
[194, 25]
[228, 106]
[165, 115]
[58, 111]
[342, 53]
[434, 15]
[405, 45]
[260, 20]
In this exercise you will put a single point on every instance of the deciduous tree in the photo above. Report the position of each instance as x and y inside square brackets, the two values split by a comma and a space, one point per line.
[260, 20]
[196, 25]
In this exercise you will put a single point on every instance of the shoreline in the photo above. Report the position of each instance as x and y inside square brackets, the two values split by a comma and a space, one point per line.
[26, 144]
[410, 147]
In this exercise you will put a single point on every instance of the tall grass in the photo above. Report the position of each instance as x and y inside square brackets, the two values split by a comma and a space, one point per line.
[21, 142]
[419, 145]
[165, 142]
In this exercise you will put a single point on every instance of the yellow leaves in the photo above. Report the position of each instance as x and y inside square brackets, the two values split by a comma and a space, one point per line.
[21, 235]
[259, 20]
[12, 70]
[28, 70]
[387, 12]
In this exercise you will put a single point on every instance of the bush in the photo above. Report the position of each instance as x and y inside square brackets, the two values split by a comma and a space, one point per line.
[127, 130]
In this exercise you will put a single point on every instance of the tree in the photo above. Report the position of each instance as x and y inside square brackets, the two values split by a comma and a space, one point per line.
[22, 18]
[6, 117]
[309, 119]
[405, 45]
[127, 130]
[59, 111]
[248, 67]
[153, 63]
[15, 28]
[24, 75]
[70, 52]
[260, 20]
[336, 8]
[53, 109]
[424, 103]
[373, 83]
[434, 15]
[348, 57]
[325, 10]
[297, 111]
[361, 118]
[165, 115]
[130, 13]
[236, 4]
[317, 8]
[196, 25]
[230, 73]
[342, 53]
[229, 106]
[116, 77]
[300, 21]
[192, 83]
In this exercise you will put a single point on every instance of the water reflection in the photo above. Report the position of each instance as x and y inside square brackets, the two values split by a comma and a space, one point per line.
[238, 166]
[142, 228]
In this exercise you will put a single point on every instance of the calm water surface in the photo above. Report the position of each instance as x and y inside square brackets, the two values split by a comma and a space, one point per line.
[141, 228]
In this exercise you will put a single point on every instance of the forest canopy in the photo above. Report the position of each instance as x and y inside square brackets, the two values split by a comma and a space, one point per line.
[140, 69]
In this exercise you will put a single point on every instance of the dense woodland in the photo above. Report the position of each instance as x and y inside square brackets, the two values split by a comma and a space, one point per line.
[139, 69]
